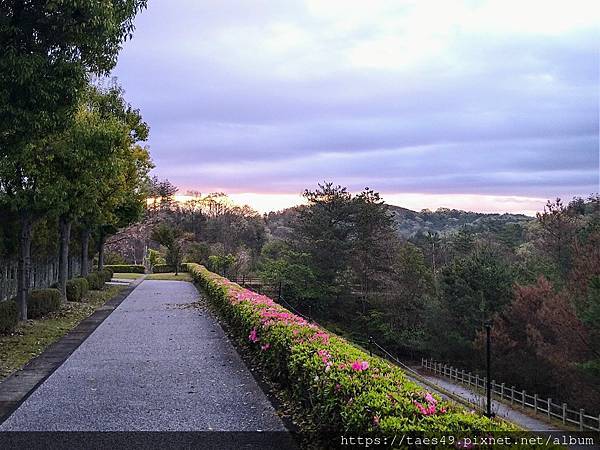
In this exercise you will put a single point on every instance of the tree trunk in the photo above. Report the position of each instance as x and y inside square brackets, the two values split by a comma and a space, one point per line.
[63, 255]
[85, 245]
[101, 251]
[24, 266]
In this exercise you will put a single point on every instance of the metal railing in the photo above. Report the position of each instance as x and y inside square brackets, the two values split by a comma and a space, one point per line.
[541, 406]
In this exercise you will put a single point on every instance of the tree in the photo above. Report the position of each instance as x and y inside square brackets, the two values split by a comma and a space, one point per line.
[472, 290]
[371, 238]
[87, 155]
[323, 231]
[170, 237]
[541, 330]
[558, 225]
[47, 50]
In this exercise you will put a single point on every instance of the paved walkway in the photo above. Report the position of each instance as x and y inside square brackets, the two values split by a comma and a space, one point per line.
[156, 363]
[499, 408]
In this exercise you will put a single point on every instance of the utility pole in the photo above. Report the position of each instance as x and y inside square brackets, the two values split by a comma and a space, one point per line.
[488, 384]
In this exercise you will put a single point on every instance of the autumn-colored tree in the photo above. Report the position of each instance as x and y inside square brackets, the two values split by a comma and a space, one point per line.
[542, 331]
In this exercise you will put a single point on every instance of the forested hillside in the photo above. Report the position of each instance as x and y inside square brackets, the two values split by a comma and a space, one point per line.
[409, 223]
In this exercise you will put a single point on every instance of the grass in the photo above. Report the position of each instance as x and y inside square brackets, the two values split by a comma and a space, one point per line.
[32, 337]
[128, 276]
[183, 276]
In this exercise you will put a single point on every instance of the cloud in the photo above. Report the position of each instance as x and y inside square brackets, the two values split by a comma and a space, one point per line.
[457, 97]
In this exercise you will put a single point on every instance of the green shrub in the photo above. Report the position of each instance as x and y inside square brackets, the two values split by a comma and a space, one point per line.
[77, 288]
[42, 302]
[343, 389]
[106, 273]
[9, 316]
[95, 281]
[126, 268]
[162, 268]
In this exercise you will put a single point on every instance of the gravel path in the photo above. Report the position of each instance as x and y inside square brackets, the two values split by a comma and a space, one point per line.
[156, 363]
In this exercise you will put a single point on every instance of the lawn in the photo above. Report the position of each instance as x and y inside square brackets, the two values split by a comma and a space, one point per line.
[182, 276]
[31, 338]
[128, 276]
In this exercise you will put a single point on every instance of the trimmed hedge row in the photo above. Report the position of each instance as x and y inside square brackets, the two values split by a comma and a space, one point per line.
[96, 281]
[106, 273]
[126, 268]
[343, 388]
[77, 288]
[42, 302]
[9, 316]
[162, 268]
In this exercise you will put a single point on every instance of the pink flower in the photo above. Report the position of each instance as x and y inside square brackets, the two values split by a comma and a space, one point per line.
[376, 421]
[429, 399]
[337, 387]
[359, 366]
[425, 410]
[342, 366]
[265, 347]
[253, 336]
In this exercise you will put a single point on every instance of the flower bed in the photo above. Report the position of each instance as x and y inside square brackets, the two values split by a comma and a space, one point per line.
[343, 388]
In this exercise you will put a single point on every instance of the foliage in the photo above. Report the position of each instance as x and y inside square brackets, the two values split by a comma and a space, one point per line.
[126, 268]
[473, 289]
[162, 268]
[106, 274]
[171, 238]
[95, 281]
[342, 388]
[9, 316]
[540, 328]
[221, 263]
[43, 301]
[155, 258]
[77, 289]
[32, 337]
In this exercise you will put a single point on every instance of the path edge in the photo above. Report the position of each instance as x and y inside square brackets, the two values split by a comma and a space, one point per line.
[18, 386]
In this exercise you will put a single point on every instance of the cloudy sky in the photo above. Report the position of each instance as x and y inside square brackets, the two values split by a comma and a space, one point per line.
[475, 104]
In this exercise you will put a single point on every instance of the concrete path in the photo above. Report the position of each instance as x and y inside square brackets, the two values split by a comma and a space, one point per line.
[157, 363]
[500, 409]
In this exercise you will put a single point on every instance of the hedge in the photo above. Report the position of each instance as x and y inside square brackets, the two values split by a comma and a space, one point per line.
[42, 302]
[106, 273]
[9, 316]
[162, 268]
[95, 281]
[343, 388]
[126, 268]
[77, 288]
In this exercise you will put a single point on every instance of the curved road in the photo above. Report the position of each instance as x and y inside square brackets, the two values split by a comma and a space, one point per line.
[156, 363]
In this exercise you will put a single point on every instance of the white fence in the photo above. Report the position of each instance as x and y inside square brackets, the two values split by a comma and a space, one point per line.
[543, 406]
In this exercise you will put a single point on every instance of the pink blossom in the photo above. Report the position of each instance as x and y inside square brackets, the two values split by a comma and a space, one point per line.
[253, 336]
[376, 421]
[337, 387]
[430, 399]
[265, 347]
[359, 366]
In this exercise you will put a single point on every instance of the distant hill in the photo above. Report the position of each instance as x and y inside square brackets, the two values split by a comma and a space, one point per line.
[409, 222]
[445, 220]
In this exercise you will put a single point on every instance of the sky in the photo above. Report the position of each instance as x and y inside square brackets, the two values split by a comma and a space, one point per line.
[481, 105]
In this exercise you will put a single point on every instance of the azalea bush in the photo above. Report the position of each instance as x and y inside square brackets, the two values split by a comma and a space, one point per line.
[343, 388]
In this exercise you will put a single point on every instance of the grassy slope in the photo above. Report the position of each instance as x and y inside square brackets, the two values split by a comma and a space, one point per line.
[32, 337]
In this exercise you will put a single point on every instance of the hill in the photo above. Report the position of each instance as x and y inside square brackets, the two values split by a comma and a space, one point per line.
[409, 222]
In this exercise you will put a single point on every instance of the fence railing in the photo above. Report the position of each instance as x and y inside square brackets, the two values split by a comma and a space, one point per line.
[542, 406]
[44, 273]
